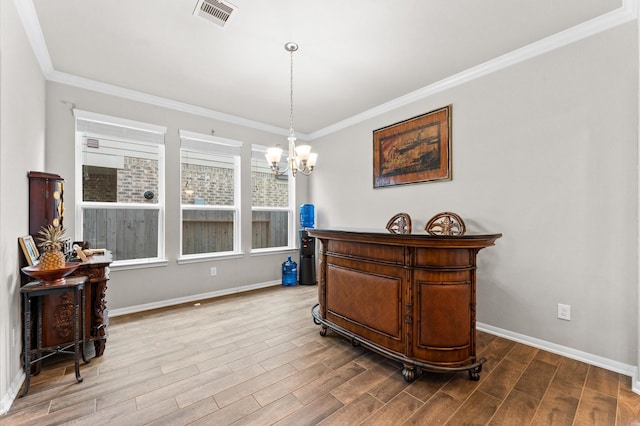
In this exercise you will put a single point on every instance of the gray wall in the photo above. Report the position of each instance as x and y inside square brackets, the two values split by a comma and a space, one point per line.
[22, 121]
[545, 152]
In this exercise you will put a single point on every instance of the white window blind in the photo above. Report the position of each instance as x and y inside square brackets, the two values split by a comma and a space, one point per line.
[209, 144]
[94, 124]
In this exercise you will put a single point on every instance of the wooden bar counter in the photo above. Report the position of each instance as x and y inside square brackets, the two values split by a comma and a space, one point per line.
[410, 297]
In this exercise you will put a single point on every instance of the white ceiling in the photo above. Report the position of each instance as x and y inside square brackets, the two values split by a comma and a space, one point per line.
[354, 54]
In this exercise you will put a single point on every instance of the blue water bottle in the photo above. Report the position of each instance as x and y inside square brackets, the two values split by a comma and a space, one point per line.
[307, 216]
[289, 272]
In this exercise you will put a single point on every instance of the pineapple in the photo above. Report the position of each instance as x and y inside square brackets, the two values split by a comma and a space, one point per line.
[51, 243]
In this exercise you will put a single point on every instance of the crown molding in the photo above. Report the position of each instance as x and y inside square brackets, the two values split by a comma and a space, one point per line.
[31, 24]
[627, 12]
[134, 95]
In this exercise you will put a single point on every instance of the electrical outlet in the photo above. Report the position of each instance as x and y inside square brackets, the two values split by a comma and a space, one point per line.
[214, 271]
[564, 312]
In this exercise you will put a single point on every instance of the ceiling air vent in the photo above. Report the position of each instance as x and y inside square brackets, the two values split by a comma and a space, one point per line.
[218, 12]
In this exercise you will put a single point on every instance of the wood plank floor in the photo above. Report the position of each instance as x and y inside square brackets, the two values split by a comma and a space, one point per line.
[258, 359]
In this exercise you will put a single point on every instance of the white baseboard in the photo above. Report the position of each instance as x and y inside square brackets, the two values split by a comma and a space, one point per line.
[12, 393]
[598, 361]
[187, 299]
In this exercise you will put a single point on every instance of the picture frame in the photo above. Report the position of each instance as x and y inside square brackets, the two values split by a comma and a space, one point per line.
[415, 150]
[29, 249]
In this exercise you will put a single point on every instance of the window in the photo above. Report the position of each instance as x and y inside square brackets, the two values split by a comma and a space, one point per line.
[210, 194]
[120, 170]
[272, 201]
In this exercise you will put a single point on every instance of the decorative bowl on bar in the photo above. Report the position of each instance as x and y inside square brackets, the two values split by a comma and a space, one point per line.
[50, 276]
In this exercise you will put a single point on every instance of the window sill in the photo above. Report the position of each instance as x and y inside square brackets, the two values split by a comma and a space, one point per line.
[132, 264]
[270, 251]
[208, 257]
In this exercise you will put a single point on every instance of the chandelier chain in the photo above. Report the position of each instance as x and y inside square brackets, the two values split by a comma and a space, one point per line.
[291, 95]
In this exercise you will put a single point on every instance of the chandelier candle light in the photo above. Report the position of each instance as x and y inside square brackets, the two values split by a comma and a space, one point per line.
[300, 159]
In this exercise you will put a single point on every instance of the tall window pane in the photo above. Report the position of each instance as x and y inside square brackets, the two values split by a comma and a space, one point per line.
[271, 204]
[121, 205]
[209, 194]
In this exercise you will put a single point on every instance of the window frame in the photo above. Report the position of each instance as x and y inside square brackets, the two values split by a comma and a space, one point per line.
[224, 147]
[258, 152]
[156, 134]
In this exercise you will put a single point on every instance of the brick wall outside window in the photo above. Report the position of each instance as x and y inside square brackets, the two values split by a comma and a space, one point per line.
[267, 191]
[214, 185]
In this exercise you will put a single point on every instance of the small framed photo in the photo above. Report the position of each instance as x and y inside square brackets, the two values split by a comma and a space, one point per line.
[29, 249]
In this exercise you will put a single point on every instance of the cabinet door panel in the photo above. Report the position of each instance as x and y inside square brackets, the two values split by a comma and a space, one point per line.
[443, 307]
[365, 303]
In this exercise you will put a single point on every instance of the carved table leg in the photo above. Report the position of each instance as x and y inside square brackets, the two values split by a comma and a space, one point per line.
[99, 346]
[76, 331]
[409, 373]
[26, 354]
[83, 321]
[323, 330]
[474, 373]
[99, 327]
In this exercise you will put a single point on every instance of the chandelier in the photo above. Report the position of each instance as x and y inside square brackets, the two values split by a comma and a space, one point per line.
[300, 159]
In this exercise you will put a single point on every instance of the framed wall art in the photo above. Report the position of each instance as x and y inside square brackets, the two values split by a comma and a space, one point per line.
[29, 249]
[412, 151]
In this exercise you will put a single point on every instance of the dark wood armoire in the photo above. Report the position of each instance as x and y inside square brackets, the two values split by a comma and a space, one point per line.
[46, 201]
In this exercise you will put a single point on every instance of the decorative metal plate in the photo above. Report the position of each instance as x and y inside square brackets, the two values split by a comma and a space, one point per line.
[445, 223]
[399, 224]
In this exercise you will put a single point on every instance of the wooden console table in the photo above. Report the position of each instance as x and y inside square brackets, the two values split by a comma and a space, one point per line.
[410, 297]
[57, 327]
[36, 289]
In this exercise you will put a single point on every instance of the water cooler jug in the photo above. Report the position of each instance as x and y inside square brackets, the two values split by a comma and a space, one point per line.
[307, 266]
[289, 272]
